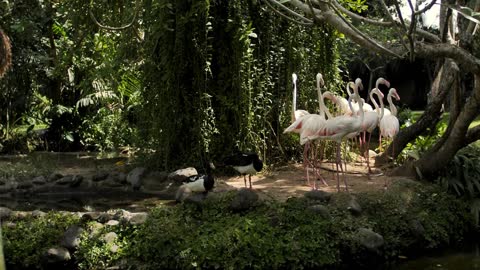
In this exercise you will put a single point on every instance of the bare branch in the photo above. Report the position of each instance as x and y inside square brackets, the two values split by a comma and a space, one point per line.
[305, 22]
[427, 7]
[445, 50]
[410, 31]
[291, 12]
[402, 25]
[472, 25]
[356, 17]
[473, 135]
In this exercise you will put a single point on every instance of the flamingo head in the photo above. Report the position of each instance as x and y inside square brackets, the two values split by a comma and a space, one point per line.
[294, 77]
[382, 81]
[394, 93]
[320, 80]
[358, 82]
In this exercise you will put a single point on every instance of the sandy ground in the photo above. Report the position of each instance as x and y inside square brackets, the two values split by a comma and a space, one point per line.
[290, 180]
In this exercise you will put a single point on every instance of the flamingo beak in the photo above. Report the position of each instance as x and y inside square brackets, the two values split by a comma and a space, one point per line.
[387, 83]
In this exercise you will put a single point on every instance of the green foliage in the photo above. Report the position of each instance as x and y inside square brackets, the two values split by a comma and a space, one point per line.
[25, 242]
[462, 175]
[94, 252]
[233, 90]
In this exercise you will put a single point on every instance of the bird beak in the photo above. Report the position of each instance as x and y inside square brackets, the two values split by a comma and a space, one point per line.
[387, 83]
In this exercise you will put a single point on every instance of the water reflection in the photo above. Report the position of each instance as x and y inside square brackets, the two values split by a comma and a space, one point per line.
[466, 257]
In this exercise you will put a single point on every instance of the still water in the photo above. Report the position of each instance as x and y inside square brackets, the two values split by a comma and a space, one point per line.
[466, 257]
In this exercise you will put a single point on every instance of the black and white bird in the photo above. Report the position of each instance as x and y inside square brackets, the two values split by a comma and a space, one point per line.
[200, 183]
[245, 163]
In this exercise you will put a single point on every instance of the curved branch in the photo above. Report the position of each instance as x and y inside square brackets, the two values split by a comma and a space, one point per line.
[291, 12]
[307, 21]
[473, 135]
[427, 7]
[445, 50]
[358, 18]
[399, 25]
[111, 28]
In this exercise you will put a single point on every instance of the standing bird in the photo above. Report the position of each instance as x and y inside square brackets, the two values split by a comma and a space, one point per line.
[245, 163]
[308, 125]
[372, 119]
[200, 183]
[338, 127]
[389, 125]
[296, 113]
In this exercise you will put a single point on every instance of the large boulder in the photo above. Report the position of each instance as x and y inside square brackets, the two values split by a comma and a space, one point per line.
[244, 200]
[56, 256]
[71, 237]
[5, 213]
[181, 175]
[370, 240]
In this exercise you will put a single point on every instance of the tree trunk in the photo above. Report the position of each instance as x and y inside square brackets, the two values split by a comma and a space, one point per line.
[435, 161]
[5, 53]
[431, 115]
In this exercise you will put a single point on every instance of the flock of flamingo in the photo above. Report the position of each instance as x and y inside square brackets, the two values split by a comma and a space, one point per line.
[354, 118]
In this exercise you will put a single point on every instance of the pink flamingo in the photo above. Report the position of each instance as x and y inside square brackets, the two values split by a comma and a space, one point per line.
[307, 125]
[338, 127]
[389, 125]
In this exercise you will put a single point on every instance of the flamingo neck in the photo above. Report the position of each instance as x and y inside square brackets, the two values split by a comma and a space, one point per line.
[382, 109]
[321, 103]
[393, 109]
[294, 102]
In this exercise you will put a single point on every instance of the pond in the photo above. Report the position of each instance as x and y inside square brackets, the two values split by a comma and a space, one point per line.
[465, 257]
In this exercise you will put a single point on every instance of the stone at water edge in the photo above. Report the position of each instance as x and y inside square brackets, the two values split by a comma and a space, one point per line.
[56, 255]
[54, 177]
[318, 195]
[321, 210]
[71, 237]
[369, 239]
[5, 213]
[39, 180]
[181, 175]
[134, 177]
[100, 176]
[244, 200]
[354, 207]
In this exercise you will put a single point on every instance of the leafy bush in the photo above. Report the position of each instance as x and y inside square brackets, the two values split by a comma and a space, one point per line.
[25, 242]
[462, 175]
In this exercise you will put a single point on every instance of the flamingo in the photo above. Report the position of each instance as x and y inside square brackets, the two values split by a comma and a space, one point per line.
[296, 113]
[389, 125]
[308, 125]
[338, 127]
[371, 117]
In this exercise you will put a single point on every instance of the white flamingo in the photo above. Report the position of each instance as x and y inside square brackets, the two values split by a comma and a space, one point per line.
[338, 127]
[308, 125]
[296, 113]
[371, 119]
[389, 125]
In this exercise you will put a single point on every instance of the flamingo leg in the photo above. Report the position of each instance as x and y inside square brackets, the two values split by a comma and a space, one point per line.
[339, 160]
[368, 155]
[305, 161]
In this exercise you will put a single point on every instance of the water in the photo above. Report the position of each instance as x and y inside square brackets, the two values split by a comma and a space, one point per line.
[83, 202]
[466, 257]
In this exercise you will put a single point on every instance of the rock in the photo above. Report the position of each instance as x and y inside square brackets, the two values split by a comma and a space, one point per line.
[110, 237]
[54, 177]
[134, 177]
[24, 185]
[5, 213]
[155, 180]
[100, 176]
[39, 180]
[112, 222]
[369, 239]
[19, 215]
[64, 180]
[2, 181]
[117, 177]
[89, 216]
[319, 195]
[138, 218]
[104, 217]
[121, 214]
[110, 183]
[321, 210]
[354, 207]
[95, 228]
[181, 175]
[76, 181]
[417, 229]
[56, 255]
[38, 213]
[71, 237]
[195, 198]
[244, 199]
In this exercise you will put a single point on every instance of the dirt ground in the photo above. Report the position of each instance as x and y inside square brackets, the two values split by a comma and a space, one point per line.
[290, 180]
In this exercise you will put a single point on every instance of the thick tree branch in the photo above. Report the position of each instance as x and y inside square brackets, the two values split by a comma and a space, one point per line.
[444, 50]
[304, 21]
[473, 135]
